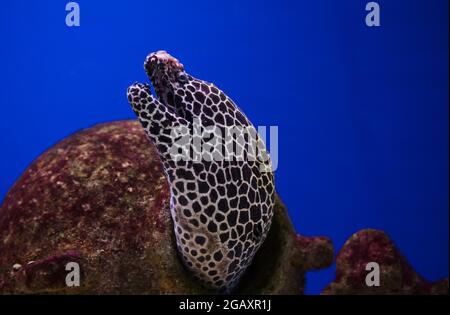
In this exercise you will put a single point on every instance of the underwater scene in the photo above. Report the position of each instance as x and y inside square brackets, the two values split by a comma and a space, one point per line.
[224, 147]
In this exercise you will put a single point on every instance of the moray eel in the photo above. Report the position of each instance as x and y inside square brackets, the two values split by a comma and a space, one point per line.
[221, 208]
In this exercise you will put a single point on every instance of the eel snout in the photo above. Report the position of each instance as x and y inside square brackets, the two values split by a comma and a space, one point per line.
[161, 57]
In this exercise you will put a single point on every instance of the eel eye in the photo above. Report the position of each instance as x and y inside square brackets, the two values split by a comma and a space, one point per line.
[182, 77]
[150, 65]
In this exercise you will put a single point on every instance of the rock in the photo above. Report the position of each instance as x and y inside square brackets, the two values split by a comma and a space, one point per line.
[396, 274]
[99, 198]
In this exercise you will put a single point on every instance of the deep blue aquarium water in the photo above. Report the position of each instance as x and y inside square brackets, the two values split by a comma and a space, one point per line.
[362, 111]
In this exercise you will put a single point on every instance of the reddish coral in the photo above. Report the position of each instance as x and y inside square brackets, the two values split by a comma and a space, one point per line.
[396, 275]
[100, 198]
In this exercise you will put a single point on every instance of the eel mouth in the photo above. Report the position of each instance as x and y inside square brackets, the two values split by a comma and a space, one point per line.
[161, 57]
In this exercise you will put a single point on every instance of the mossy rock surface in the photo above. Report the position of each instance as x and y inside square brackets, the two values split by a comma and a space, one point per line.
[100, 198]
[396, 276]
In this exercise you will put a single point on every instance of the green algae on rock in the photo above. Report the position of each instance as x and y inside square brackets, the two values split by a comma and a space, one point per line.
[100, 198]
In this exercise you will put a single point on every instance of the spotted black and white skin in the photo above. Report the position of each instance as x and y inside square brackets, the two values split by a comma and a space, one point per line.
[221, 209]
